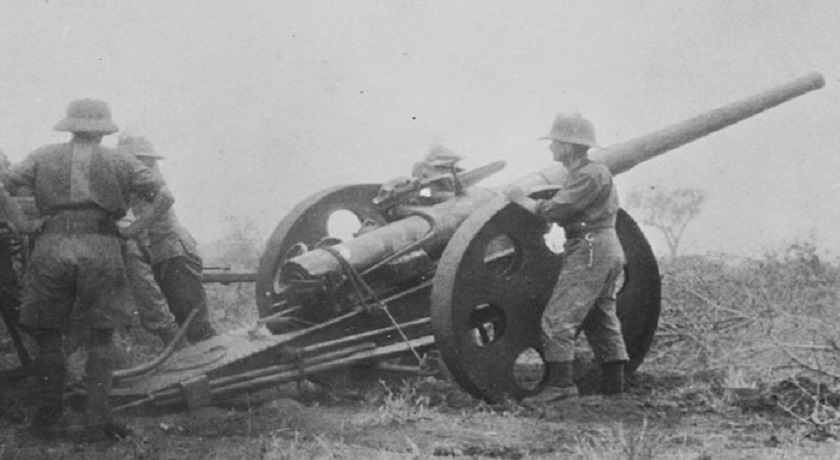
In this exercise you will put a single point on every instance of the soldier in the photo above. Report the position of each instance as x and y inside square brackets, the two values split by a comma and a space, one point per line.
[11, 247]
[439, 160]
[585, 294]
[173, 254]
[81, 188]
[437, 169]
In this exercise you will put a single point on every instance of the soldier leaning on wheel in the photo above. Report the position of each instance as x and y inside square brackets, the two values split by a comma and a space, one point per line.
[76, 268]
[585, 294]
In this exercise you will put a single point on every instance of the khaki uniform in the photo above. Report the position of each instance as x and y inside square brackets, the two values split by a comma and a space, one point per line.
[177, 268]
[76, 269]
[11, 245]
[585, 293]
[83, 188]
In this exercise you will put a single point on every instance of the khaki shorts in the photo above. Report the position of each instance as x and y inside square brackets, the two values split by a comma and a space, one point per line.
[585, 297]
[79, 278]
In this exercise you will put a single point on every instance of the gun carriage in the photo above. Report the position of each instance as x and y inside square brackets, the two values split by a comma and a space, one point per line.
[435, 264]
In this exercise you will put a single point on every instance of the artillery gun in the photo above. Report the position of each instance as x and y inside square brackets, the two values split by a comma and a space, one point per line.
[438, 264]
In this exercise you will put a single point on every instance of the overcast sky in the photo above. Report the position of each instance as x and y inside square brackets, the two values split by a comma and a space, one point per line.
[257, 104]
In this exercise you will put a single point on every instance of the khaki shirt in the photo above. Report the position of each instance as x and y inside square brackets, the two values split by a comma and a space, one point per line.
[588, 195]
[165, 237]
[78, 174]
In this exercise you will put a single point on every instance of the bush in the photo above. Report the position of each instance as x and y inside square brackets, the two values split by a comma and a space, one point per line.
[232, 306]
[766, 317]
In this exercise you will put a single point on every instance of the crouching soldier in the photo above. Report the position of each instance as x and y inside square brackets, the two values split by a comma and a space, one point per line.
[173, 253]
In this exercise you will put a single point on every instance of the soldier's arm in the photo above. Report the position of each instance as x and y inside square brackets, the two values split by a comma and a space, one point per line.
[518, 196]
[161, 203]
[13, 211]
[150, 187]
[569, 201]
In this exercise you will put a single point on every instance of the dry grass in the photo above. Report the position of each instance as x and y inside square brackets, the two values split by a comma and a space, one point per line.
[750, 321]
[399, 406]
[617, 442]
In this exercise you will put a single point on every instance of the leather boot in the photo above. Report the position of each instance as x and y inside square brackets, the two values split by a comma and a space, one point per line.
[50, 371]
[559, 384]
[99, 423]
[612, 378]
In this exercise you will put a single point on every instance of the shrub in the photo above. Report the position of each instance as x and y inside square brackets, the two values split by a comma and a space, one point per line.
[766, 317]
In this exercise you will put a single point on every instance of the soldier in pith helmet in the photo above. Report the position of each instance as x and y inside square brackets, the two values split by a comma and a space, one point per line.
[173, 253]
[81, 188]
[586, 207]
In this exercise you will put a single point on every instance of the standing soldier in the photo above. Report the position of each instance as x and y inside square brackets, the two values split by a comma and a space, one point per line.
[11, 247]
[81, 188]
[173, 253]
[586, 207]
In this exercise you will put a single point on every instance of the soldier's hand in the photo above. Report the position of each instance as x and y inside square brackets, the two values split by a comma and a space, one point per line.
[515, 194]
[518, 196]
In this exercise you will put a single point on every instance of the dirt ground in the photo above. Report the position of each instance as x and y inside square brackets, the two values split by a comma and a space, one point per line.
[368, 417]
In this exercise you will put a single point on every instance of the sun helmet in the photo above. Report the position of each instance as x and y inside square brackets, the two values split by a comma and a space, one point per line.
[138, 146]
[574, 129]
[87, 116]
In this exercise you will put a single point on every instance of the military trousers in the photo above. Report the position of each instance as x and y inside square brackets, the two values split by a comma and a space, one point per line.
[585, 298]
[152, 310]
[76, 276]
[179, 279]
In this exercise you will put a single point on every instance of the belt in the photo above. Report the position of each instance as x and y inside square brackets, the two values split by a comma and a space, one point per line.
[69, 226]
[581, 229]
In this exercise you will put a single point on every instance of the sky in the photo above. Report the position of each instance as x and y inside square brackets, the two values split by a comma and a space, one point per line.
[258, 104]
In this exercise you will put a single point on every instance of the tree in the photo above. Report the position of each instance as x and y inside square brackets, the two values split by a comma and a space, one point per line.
[669, 211]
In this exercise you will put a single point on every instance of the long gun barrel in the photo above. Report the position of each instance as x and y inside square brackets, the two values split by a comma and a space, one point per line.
[624, 156]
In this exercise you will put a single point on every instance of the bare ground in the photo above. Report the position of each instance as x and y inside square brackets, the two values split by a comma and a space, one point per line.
[666, 416]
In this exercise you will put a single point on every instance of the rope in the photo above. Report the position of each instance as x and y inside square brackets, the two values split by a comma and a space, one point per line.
[363, 290]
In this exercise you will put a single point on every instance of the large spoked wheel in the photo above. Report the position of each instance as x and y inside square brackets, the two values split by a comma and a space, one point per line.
[306, 225]
[490, 289]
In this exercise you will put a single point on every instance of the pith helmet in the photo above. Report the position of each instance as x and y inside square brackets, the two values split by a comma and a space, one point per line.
[138, 146]
[442, 156]
[87, 116]
[574, 129]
